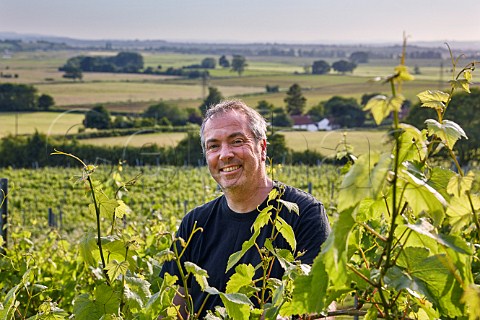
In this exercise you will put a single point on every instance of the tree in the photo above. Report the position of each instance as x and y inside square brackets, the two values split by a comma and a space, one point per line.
[223, 62]
[175, 115]
[98, 117]
[45, 102]
[17, 97]
[295, 100]
[359, 57]
[239, 63]
[344, 66]
[317, 112]
[128, 61]
[281, 118]
[72, 72]
[265, 108]
[344, 112]
[209, 63]
[214, 97]
[320, 67]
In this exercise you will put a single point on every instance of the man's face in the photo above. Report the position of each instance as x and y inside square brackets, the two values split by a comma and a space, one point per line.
[235, 159]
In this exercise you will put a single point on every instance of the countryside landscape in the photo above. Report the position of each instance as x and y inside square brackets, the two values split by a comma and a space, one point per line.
[99, 144]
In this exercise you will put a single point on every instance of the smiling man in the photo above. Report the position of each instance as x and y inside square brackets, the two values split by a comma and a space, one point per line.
[234, 142]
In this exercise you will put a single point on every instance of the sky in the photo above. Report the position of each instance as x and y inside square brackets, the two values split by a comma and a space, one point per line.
[284, 21]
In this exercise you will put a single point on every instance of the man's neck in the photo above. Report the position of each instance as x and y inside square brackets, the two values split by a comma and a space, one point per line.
[243, 201]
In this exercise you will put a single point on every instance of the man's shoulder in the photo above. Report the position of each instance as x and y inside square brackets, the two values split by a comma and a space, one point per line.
[297, 195]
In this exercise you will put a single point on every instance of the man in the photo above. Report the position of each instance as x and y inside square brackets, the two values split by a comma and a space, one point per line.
[234, 141]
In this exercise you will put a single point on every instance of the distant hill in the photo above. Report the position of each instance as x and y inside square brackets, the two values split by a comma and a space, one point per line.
[275, 49]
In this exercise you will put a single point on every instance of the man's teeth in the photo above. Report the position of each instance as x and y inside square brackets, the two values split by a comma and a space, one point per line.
[228, 169]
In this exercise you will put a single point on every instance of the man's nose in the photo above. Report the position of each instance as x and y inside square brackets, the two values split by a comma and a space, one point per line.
[226, 152]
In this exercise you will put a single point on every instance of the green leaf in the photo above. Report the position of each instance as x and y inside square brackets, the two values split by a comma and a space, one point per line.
[458, 185]
[242, 277]
[459, 211]
[122, 209]
[448, 131]
[365, 179]
[449, 241]
[87, 246]
[381, 106]
[287, 232]
[117, 249]
[115, 268]
[291, 206]
[200, 274]
[422, 198]
[10, 301]
[471, 298]
[263, 218]
[273, 194]
[235, 257]
[413, 143]
[431, 276]
[433, 99]
[136, 292]
[106, 302]
[237, 305]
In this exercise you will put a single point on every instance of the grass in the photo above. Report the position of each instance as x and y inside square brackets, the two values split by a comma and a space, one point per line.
[45, 122]
[328, 143]
[164, 139]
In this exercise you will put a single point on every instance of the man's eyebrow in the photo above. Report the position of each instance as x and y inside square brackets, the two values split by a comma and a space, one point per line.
[230, 136]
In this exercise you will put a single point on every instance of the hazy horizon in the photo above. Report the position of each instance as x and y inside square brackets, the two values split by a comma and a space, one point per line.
[304, 21]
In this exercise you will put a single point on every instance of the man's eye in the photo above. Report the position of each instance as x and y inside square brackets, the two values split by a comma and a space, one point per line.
[237, 141]
[212, 147]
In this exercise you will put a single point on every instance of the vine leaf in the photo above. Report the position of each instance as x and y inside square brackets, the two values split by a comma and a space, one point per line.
[237, 305]
[471, 297]
[448, 131]
[105, 302]
[291, 206]
[459, 211]
[235, 257]
[287, 232]
[137, 292]
[434, 99]
[263, 218]
[242, 277]
[381, 106]
[200, 274]
[115, 268]
[423, 198]
[458, 185]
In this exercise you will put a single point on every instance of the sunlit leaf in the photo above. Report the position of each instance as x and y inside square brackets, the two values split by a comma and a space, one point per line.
[435, 99]
[422, 198]
[115, 268]
[381, 106]
[237, 305]
[403, 74]
[365, 179]
[471, 298]
[235, 257]
[291, 206]
[136, 292]
[122, 209]
[458, 185]
[200, 274]
[263, 218]
[459, 211]
[87, 246]
[413, 143]
[242, 277]
[287, 232]
[448, 131]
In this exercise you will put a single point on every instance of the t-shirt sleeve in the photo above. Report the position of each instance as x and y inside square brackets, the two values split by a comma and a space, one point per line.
[312, 230]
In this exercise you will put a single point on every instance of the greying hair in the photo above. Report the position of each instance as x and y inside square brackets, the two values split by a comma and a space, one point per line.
[256, 122]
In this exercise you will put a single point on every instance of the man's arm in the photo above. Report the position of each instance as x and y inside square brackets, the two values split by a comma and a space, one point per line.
[180, 303]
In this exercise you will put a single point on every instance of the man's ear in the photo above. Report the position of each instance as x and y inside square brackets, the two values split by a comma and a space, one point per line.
[264, 149]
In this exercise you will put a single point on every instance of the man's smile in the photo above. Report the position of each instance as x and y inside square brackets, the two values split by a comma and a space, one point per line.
[230, 168]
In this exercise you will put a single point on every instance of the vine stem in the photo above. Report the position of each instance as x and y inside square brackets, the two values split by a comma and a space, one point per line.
[99, 235]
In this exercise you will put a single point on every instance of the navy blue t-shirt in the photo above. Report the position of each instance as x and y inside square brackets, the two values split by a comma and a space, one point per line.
[224, 232]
